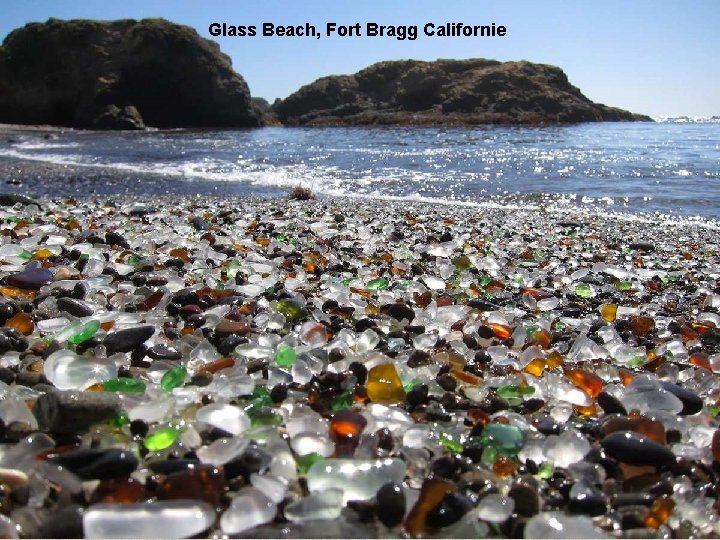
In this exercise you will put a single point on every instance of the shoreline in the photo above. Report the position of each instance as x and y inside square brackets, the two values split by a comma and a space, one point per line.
[46, 179]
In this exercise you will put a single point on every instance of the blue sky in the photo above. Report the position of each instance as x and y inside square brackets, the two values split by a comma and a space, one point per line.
[655, 57]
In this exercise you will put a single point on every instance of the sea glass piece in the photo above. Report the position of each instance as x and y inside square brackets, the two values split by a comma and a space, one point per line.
[359, 479]
[384, 385]
[161, 519]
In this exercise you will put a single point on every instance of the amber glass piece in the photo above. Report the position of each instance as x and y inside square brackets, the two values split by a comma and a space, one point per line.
[362, 292]
[151, 300]
[43, 254]
[687, 333]
[659, 512]
[73, 225]
[432, 492]
[107, 325]
[456, 361]
[180, 253]
[21, 322]
[204, 482]
[479, 416]
[609, 312]
[700, 359]
[715, 445]
[588, 382]
[384, 385]
[372, 309]
[14, 292]
[422, 300]
[535, 367]
[541, 338]
[504, 466]
[652, 429]
[97, 387]
[641, 325]
[500, 330]
[119, 490]
[537, 294]
[263, 241]
[467, 378]
[553, 360]
[701, 328]
[217, 365]
[345, 429]
[626, 376]
[587, 412]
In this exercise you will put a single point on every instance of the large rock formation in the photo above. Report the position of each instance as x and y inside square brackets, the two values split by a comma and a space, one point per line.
[445, 92]
[119, 74]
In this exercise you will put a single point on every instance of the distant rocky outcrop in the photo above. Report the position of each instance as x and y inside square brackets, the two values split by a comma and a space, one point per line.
[473, 91]
[119, 75]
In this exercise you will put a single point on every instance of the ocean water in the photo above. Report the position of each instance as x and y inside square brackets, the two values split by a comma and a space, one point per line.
[671, 166]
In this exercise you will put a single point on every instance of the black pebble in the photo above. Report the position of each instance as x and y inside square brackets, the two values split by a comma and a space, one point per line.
[127, 339]
[634, 449]
[390, 500]
[453, 506]
[279, 393]
[399, 311]
[139, 428]
[95, 463]
[74, 307]
[692, 403]
[610, 404]
[417, 395]
[593, 503]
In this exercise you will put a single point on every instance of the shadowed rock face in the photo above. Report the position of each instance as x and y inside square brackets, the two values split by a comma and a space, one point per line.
[473, 91]
[119, 74]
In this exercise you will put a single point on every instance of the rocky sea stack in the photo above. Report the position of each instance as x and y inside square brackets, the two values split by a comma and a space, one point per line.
[122, 74]
[475, 91]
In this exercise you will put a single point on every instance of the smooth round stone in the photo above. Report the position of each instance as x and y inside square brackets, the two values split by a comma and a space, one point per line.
[692, 403]
[326, 504]
[358, 478]
[226, 328]
[95, 463]
[221, 451]
[224, 416]
[69, 371]
[390, 499]
[399, 311]
[495, 508]
[558, 525]
[309, 443]
[162, 519]
[30, 279]
[634, 449]
[272, 487]
[565, 449]
[127, 339]
[247, 510]
[586, 499]
[77, 308]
